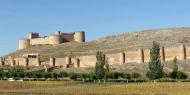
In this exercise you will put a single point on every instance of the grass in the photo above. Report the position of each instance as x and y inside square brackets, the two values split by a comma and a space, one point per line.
[4, 85]
[76, 88]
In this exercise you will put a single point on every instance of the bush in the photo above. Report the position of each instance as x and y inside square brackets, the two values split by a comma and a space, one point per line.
[178, 75]
[30, 75]
[115, 75]
[21, 74]
[181, 75]
[63, 74]
[92, 76]
[126, 75]
[48, 75]
[135, 75]
[73, 76]
[55, 75]
[39, 75]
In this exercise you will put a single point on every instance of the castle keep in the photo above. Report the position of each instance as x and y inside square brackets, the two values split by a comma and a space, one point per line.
[56, 38]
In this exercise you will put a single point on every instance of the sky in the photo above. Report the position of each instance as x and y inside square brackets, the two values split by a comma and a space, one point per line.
[98, 18]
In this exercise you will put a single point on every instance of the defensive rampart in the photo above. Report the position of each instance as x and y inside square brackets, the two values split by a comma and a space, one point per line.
[140, 56]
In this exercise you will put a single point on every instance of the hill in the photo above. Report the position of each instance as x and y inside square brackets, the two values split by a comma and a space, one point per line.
[127, 41]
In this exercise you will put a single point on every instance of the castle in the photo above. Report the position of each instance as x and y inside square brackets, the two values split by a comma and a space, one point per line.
[141, 55]
[56, 38]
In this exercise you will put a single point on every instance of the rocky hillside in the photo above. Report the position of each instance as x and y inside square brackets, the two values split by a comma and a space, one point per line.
[117, 43]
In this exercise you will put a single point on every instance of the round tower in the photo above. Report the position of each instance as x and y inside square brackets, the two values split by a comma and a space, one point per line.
[24, 43]
[55, 39]
[79, 36]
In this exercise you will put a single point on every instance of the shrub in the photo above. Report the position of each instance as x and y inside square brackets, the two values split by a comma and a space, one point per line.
[135, 75]
[115, 75]
[39, 75]
[48, 75]
[63, 74]
[181, 75]
[126, 75]
[92, 76]
[30, 75]
[73, 76]
[55, 75]
[21, 74]
[178, 75]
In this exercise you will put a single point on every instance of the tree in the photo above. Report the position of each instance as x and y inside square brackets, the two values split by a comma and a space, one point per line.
[175, 64]
[107, 71]
[155, 66]
[173, 74]
[99, 68]
[176, 74]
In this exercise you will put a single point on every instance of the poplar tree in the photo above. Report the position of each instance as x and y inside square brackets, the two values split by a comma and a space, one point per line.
[99, 69]
[155, 66]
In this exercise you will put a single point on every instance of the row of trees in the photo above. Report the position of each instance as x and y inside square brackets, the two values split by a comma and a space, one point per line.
[18, 73]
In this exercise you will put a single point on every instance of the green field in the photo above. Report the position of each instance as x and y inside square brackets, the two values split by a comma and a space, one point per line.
[78, 88]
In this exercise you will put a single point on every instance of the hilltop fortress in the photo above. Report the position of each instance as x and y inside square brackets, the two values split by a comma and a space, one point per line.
[56, 38]
[138, 56]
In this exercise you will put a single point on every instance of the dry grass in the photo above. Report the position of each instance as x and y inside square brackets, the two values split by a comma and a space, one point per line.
[112, 89]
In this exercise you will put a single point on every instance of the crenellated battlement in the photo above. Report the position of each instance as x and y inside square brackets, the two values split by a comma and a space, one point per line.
[56, 38]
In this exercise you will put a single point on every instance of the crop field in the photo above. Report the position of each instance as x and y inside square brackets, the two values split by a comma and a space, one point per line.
[78, 88]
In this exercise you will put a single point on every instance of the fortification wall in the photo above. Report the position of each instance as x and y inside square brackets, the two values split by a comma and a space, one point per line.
[170, 53]
[136, 56]
[60, 62]
[68, 37]
[131, 56]
[115, 58]
[39, 41]
[87, 61]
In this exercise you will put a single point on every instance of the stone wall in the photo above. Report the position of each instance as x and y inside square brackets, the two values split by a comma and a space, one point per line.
[39, 41]
[136, 56]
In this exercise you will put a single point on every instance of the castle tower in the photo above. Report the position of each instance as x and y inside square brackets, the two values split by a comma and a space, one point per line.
[38, 62]
[68, 60]
[24, 43]
[26, 61]
[79, 36]
[52, 62]
[141, 55]
[12, 62]
[56, 39]
[32, 35]
[162, 54]
[182, 54]
[77, 63]
[121, 58]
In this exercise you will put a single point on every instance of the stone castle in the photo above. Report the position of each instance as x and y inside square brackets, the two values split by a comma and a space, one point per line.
[141, 55]
[56, 38]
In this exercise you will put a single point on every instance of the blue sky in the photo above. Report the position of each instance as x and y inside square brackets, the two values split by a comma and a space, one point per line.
[98, 18]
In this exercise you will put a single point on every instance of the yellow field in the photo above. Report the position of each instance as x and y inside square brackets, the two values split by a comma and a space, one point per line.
[77, 88]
